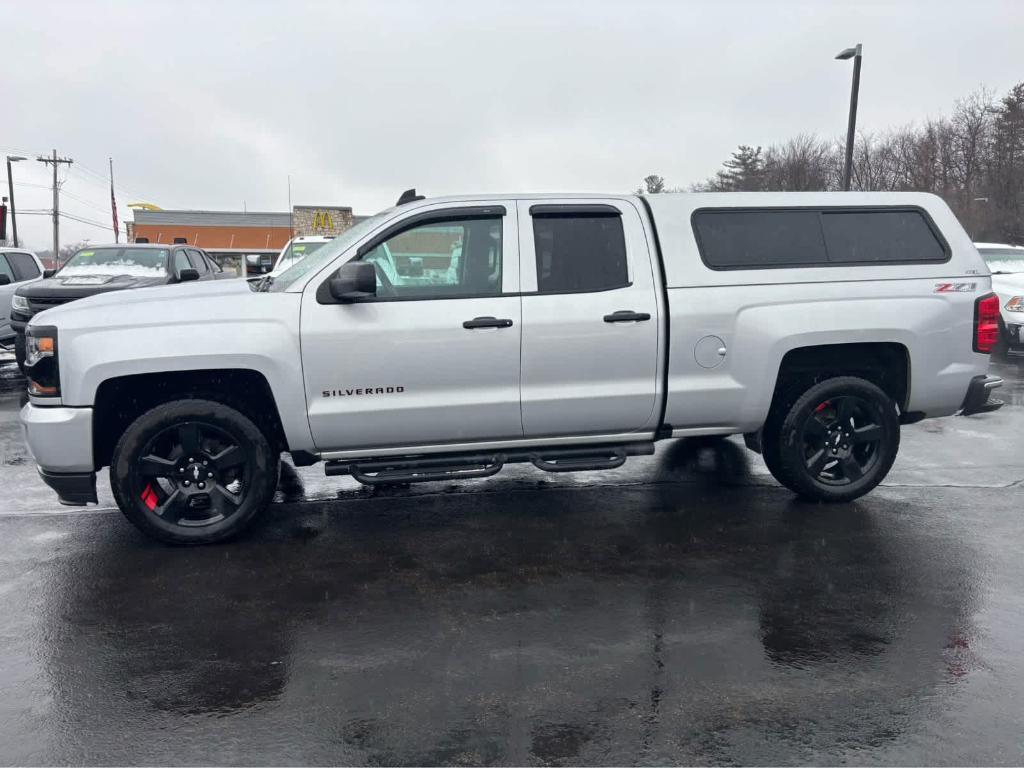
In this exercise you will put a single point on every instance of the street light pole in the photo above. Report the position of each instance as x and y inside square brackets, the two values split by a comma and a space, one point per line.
[10, 187]
[851, 128]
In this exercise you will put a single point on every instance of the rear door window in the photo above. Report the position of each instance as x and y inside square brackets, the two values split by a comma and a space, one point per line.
[579, 251]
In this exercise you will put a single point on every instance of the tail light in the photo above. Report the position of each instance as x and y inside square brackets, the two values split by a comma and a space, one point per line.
[986, 323]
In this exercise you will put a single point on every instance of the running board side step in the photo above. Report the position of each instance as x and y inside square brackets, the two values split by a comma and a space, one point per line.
[467, 466]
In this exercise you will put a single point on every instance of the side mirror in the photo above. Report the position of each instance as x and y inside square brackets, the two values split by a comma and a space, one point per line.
[187, 275]
[49, 273]
[5, 279]
[355, 280]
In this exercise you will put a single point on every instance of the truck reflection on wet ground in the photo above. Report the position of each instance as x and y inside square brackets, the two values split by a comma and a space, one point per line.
[597, 625]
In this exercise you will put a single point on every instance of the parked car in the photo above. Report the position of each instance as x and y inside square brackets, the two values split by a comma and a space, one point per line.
[18, 267]
[102, 269]
[219, 273]
[1006, 262]
[574, 332]
[296, 250]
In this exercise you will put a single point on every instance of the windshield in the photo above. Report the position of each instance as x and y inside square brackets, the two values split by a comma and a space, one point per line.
[325, 254]
[136, 262]
[293, 253]
[1003, 260]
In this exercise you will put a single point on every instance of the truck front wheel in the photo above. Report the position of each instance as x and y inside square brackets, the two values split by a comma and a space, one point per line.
[835, 442]
[193, 471]
[19, 351]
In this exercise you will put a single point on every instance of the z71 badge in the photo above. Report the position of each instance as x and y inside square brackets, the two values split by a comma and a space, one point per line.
[955, 287]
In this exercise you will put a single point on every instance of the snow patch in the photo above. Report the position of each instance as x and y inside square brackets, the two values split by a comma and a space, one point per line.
[111, 268]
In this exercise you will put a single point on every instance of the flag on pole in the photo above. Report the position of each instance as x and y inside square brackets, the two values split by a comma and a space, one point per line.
[113, 204]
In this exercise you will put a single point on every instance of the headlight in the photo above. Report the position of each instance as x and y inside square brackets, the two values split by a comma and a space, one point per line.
[41, 367]
[1016, 304]
[20, 303]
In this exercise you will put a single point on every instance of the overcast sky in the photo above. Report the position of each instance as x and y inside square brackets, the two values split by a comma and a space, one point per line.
[212, 105]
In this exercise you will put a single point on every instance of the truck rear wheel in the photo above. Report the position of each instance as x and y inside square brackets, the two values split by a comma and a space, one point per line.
[193, 471]
[835, 442]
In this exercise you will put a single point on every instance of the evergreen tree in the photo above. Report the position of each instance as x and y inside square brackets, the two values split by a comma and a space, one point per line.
[653, 184]
[1007, 165]
[743, 172]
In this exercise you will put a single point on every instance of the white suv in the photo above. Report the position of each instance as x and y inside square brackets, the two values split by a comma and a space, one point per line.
[296, 250]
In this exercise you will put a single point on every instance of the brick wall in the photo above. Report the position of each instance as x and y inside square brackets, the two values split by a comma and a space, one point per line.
[259, 238]
[321, 220]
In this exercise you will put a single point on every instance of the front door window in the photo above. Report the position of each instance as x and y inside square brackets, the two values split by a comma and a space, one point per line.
[440, 260]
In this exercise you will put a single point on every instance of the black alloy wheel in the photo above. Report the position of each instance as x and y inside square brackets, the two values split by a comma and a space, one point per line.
[193, 471]
[193, 474]
[834, 441]
[840, 440]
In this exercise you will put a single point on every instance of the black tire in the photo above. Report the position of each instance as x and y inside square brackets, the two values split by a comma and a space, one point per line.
[19, 351]
[193, 472]
[1001, 349]
[770, 454]
[834, 442]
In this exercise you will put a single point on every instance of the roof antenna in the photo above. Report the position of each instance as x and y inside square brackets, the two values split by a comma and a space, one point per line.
[409, 196]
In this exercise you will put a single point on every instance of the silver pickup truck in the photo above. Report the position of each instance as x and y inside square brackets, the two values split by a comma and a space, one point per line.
[444, 338]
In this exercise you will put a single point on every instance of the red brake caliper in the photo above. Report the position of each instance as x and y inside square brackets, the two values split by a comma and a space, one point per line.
[149, 497]
[821, 407]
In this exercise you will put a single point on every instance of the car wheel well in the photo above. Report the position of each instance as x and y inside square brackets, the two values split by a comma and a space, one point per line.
[119, 401]
[885, 364]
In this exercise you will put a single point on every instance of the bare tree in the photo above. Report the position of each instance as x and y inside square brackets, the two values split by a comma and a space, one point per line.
[974, 159]
[803, 163]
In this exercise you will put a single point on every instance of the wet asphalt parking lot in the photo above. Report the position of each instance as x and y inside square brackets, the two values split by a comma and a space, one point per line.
[682, 609]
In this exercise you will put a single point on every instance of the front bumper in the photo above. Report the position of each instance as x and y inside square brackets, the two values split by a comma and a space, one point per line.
[74, 489]
[1013, 331]
[60, 440]
[978, 398]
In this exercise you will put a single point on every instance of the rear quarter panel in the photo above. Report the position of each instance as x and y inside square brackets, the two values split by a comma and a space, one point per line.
[762, 314]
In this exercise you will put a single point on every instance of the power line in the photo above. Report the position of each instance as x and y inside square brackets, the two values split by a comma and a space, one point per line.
[85, 202]
[81, 220]
[65, 215]
[104, 181]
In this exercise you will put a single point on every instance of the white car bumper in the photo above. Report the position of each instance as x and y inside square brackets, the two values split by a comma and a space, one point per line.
[60, 441]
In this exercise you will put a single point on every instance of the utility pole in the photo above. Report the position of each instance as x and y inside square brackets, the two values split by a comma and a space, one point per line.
[55, 161]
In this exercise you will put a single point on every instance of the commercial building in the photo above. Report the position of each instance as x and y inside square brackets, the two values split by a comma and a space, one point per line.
[230, 235]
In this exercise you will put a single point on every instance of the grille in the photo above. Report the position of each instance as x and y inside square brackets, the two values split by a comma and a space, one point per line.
[38, 304]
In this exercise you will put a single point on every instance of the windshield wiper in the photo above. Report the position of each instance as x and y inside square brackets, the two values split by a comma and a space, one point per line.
[264, 283]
